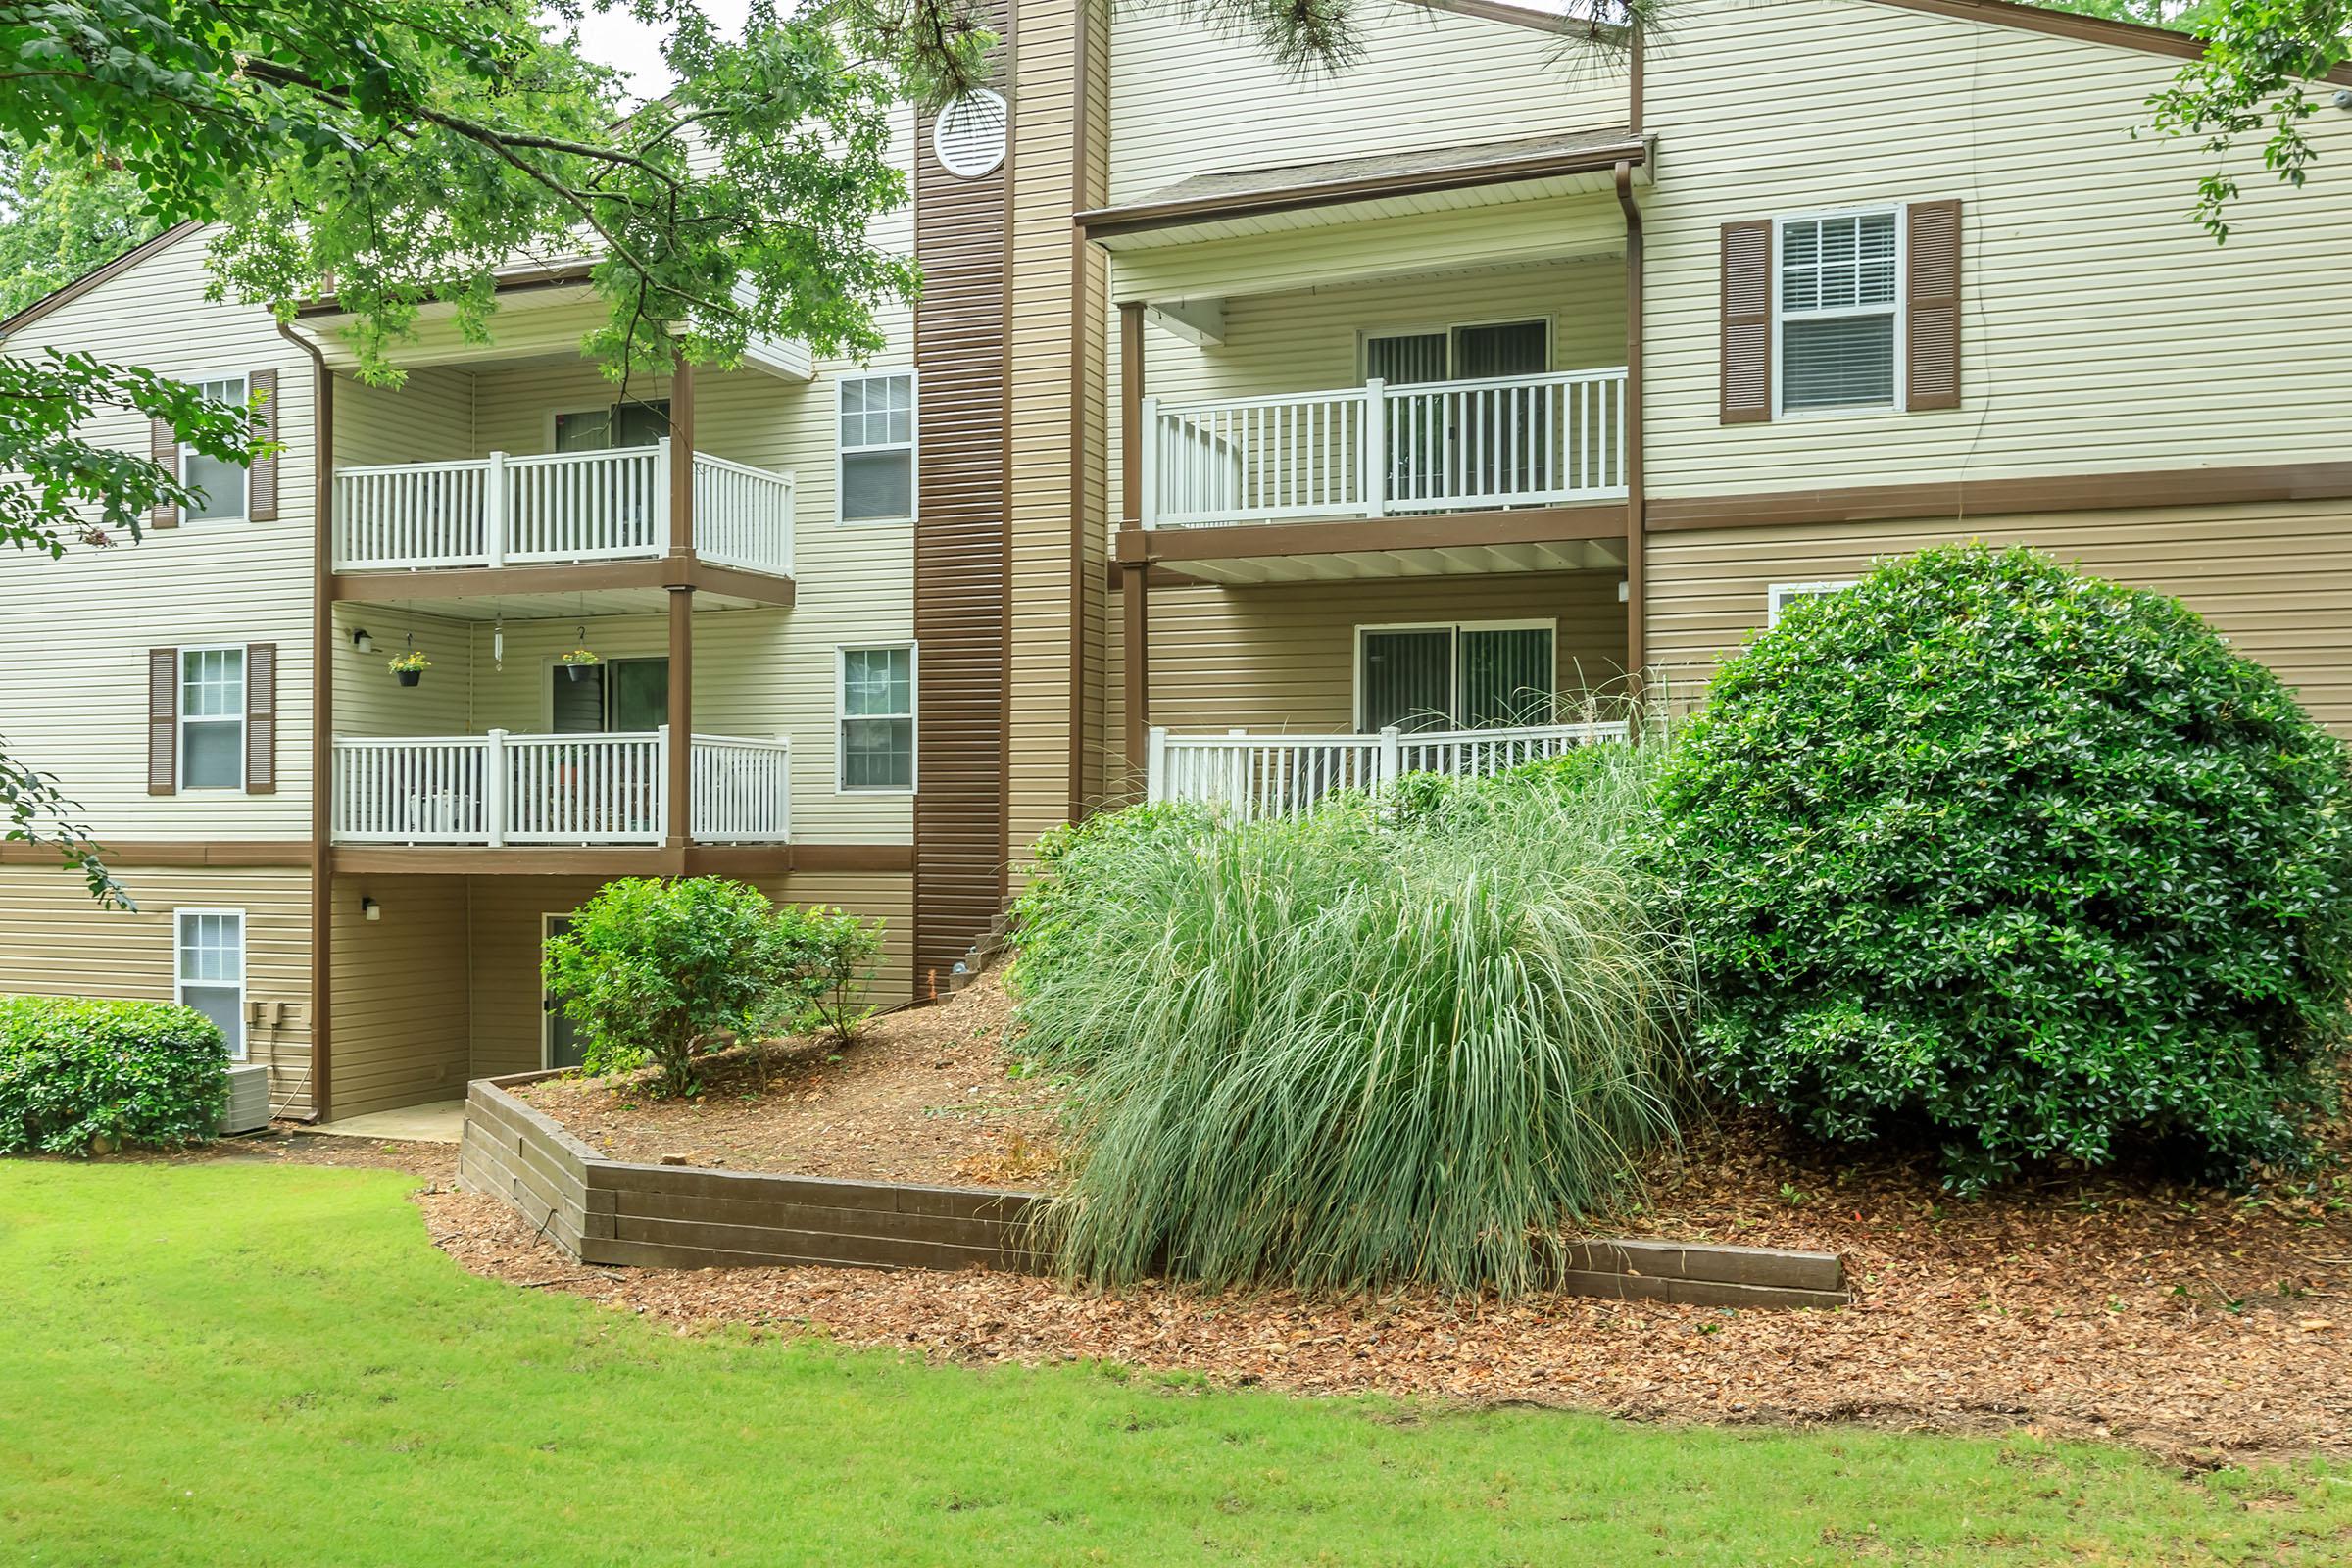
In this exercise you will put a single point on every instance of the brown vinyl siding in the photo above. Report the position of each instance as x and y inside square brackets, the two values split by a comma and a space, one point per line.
[2275, 579]
[55, 941]
[962, 572]
[400, 988]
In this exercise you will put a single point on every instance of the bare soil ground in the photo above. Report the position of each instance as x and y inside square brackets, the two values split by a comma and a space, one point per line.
[922, 1096]
[2205, 1325]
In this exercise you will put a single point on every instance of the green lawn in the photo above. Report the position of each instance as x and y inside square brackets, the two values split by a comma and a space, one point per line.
[264, 1364]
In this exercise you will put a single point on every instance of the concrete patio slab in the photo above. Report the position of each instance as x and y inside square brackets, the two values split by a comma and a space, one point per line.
[440, 1122]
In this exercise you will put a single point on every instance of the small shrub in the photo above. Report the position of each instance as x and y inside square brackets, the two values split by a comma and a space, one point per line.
[2023, 860]
[74, 1071]
[663, 971]
[1341, 1050]
[844, 952]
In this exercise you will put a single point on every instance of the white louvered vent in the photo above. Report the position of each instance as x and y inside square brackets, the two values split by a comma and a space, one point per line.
[969, 135]
[248, 1107]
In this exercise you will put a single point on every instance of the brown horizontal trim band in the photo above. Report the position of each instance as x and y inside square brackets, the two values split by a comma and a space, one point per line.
[175, 853]
[2076, 26]
[1104, 222]
[521, 280]
[1986, 497]
[593, 576]
[694, 860]
[1516, 16]
[104, 273]
[1156, 578]
[1527, 525]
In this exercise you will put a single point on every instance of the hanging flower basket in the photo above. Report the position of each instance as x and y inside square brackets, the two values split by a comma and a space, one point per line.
[579, 662]
[408, 669]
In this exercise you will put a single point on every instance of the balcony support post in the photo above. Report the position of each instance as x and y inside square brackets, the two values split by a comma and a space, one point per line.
[494, 788]
[678, 787]
[682, 462]
[1131, 414]
[1376, 450]
[494, 510]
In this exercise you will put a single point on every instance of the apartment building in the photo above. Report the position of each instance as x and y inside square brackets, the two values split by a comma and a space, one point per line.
[1254, 436]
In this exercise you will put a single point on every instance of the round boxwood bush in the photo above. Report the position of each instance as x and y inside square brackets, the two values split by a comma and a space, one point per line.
[2025, 860]
[74, 1071]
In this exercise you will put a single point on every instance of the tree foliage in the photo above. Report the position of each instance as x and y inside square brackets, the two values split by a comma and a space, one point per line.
[60, 217]
[2017, 858]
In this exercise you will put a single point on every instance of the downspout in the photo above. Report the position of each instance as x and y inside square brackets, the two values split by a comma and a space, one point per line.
[323, 725]
[1637, 651]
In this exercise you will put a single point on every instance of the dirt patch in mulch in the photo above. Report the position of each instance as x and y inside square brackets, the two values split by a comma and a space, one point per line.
[2202, 1325]
[923, 1095]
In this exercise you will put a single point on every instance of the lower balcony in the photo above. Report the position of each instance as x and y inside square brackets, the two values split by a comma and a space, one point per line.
[1254, 776]
[610, 789]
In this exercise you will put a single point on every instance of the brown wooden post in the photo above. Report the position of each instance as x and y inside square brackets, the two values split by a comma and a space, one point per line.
[323, 647]
[1135, 612]
[1636, 522]
[680, 782]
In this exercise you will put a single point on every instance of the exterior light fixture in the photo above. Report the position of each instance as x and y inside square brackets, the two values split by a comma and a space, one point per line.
[370, 909]
[361, 641]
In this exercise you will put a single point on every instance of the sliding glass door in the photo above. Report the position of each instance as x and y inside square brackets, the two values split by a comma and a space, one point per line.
[1462, 676]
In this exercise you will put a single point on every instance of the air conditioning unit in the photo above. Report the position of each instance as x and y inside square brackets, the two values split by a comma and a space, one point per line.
[248, 1108]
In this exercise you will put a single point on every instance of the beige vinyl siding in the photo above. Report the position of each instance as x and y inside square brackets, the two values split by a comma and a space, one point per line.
[2275, 579]
[428, 417]
[1284, 658]
[401, 1011]
[55, 941]
[2101, 329]
[75, 633]
[506, 918]
[371, 701]
[1186, 99]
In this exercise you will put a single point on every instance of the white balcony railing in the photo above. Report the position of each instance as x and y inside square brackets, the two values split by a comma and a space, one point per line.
[501, 789]
[1377, 450]
[610, 505]
[1254, 776]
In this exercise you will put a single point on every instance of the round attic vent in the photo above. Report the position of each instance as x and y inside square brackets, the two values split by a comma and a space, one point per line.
[969, 134]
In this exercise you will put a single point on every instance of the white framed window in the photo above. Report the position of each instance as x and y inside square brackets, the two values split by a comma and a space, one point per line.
[221, 487]
[1443, 676]
[874, 724]
[874, 471]
[1837, 310]
[1779, 596]
[212, 718]
[209, 969]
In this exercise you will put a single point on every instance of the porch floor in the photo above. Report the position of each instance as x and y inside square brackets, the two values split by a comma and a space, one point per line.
[441, 1121]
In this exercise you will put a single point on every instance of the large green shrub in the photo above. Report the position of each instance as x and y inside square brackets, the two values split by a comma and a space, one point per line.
[74, 1071]
[2033, 862]
[1344, 1050]
[663, 971]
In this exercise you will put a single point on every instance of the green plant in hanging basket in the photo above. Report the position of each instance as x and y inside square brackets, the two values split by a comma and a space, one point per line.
[410, 666]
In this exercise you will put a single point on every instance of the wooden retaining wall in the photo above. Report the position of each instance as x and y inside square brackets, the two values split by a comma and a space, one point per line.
[601, 1210]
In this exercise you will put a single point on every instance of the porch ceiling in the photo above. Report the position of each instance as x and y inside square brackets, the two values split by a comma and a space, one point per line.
[489, 605]
[1567, 554]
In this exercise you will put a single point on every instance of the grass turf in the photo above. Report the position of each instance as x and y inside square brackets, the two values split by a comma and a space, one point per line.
[267, 1364]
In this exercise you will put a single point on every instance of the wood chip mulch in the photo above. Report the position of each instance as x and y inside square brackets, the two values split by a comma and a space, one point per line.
[923, 1095]
[2205, 1326]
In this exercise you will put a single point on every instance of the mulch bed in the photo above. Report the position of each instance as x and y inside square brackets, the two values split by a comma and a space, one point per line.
[922, 1096]
[2202, 1325]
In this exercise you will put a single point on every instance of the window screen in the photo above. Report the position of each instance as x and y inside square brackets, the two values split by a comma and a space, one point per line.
[877, 448]
[1837, 301]
[212, 718]
[220, 486]
[211, 967]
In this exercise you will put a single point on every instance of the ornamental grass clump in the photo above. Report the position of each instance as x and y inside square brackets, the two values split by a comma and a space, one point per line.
[1358, 1047]
[1988, 853]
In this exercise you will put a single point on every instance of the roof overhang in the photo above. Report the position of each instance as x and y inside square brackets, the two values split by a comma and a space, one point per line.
[1253, 201]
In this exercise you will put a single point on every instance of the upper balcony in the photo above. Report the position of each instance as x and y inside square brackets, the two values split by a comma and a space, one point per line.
[558, 507]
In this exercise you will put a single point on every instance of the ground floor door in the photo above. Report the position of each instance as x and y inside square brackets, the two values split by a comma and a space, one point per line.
[563, 1047]
[1454, 677]
[621, 696]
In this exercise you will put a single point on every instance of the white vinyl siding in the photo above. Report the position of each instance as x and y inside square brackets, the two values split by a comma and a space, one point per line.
[877, 719]
[222, 486]
[209, 969]
[877, 437]
[212, 718]
[1838, 310]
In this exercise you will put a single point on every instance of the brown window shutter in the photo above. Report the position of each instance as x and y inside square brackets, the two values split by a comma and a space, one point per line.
[1746, 392]
[1931, 309]
[262, 485]
[162, 445]
[261, 718]
[163, 720]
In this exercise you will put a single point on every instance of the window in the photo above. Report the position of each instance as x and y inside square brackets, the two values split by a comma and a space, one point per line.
[1469, 676]
[1837, 310]
[619, 424]
[210, 970]
[220, 486]
[877, 719]
[876, 479]
[212, 718]
[1777, 598]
